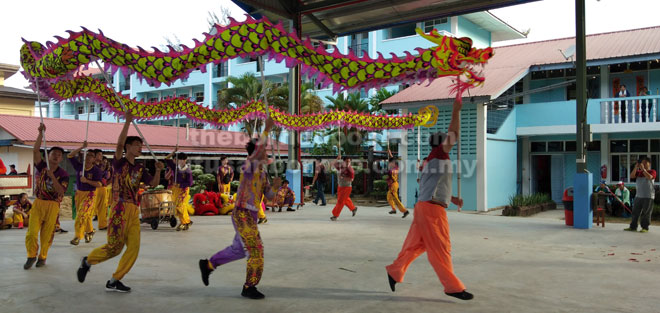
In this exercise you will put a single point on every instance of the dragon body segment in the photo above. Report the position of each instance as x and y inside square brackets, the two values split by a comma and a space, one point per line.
[56, 66]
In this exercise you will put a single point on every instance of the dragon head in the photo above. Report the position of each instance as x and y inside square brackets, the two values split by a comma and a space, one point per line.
[457, 56]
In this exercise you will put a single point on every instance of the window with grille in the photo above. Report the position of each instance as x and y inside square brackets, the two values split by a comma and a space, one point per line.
[199, 97]
[433, 24]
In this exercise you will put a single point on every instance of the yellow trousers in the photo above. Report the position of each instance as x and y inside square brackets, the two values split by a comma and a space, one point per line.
[14, 220]
[42, 227]
[225, 188]
[181, 199]
[261, 213]
[101, 206]
[84, 212]
[124, 229]
[393, 198]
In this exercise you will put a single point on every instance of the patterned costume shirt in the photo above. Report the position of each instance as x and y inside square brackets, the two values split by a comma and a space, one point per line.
[126, 180]
[44, 185]
[253, 184]
[93, 174]
[184, 177]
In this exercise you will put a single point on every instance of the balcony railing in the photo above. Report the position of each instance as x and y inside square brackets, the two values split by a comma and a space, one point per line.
[630, 110]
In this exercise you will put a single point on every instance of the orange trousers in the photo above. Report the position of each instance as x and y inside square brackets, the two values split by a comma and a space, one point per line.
[343, 199]
[429, 232]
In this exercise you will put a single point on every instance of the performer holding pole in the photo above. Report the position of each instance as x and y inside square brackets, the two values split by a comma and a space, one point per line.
[103, 193]
[88, 180]
[393, 186]
[180, 179]
[50, 186]
[247, 241]
[124, 226]
[429, 231]
[345, 176]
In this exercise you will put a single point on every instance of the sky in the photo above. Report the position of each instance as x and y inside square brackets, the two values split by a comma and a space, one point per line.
[146, 22]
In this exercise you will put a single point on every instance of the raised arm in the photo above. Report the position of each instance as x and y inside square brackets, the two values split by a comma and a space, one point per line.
[156, 179]
[171, 155]
[259, 153]
[75, 153]
[119, 151]
[454, 130]
[633, 174]
[36, 149]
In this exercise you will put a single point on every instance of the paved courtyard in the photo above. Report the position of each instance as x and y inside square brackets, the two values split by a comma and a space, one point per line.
[314, 265]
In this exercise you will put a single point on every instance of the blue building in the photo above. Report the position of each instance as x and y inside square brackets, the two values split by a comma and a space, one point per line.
[518, 130]
[483, 27]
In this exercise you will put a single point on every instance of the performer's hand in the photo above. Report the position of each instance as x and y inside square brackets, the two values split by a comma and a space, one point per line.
[176, 148]
[160, 166]
[42, 128]
[458, 202]
[84, 144]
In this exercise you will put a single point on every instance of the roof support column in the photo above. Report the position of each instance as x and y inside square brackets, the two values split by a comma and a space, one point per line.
[482, 168]
[583, 180]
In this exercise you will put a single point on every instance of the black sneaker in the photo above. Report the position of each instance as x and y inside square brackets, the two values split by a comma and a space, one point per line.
[391, 281]
[63, 231]
[28, 264]
[392, 212]
[252, 293]
[354, 211]
[205, 270]
[463, 295]
[322, 204]
[116, 286]
[405, 214]
[83, 269]
[280, 210]
[333, 218]
[41, 263]
[290, 209]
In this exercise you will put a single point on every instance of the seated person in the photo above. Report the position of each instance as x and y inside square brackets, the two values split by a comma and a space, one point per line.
[603, 199]
[622, 200]
[21, 211]
[285, 196]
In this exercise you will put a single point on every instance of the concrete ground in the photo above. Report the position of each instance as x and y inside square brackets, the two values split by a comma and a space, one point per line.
[511, 264]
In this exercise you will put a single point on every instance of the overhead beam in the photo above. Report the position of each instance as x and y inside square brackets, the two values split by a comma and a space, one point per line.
[327, 5]
[322, 26]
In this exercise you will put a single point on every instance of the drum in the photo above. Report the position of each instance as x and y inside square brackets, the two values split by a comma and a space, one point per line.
[152, 201]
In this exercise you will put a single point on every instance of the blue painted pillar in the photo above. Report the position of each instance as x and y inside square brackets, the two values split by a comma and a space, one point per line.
[582, 190]
[295, 182]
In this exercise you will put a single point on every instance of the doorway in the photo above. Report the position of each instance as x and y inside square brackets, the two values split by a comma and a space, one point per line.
[548, 175]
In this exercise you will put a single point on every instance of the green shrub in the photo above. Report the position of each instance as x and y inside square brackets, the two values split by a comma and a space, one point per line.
[234, 186]
[380, 186]
[533, 199]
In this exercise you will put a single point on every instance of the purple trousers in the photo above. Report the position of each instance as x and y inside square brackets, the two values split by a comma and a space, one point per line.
[247, 243]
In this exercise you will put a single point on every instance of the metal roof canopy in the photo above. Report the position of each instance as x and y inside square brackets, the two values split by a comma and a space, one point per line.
[332, 18]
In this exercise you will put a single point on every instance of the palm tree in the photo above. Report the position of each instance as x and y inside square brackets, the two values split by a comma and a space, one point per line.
[376, 107]
[379, 97]
[351, 138]
[248, 88]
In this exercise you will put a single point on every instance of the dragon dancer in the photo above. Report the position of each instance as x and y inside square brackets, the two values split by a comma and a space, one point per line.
[393, 187]
[86, 195]
[51, 183]
[247, 241]
[429, 231]
[180, 187]
[124, 221]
